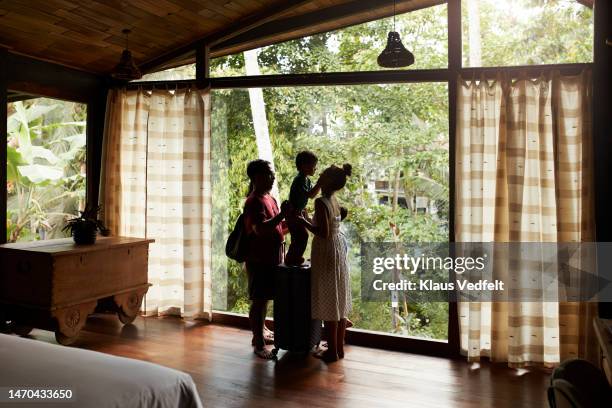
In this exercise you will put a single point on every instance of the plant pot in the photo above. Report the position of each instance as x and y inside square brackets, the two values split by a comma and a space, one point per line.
[84, 234]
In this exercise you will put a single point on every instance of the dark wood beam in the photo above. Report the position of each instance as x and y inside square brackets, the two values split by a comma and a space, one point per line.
[314, 19]
[96, 116]
[333, 78]
[602, 128]
[202, 62]
[40, 78]
[239, 27]
[454, 65]
[180, 83]
[363, 77]
[3, 141]
[255, 21]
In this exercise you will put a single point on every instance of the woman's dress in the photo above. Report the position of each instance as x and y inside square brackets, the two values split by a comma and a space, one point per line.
[331, 284]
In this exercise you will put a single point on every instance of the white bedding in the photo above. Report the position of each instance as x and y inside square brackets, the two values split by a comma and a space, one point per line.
[97, 379]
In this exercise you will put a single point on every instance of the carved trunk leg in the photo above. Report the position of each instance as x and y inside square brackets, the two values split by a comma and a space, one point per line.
[70, 321]
[128, 304]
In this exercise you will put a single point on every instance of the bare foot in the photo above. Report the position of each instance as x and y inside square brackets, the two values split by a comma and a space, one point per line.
[264, 353]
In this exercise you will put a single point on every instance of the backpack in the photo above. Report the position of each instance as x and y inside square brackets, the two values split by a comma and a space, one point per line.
[236, 246]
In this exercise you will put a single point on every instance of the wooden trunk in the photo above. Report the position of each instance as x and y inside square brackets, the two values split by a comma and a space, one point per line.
[56, 284]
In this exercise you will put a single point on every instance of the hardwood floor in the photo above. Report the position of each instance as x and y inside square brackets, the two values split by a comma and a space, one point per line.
[227, 373]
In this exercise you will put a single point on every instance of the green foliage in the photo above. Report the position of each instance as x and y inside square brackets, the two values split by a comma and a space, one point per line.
[532, 32]
[396, 134]
[362, 125]
[45, 168]
[393, 134]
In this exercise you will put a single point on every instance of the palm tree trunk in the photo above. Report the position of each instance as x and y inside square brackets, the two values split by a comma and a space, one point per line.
[475, 56]
[258, 110]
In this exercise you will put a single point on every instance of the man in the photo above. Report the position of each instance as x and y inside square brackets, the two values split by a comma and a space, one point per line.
[266, 230]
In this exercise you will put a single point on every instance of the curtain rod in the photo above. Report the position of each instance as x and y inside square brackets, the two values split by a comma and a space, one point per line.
[168, 84]
[356, 78]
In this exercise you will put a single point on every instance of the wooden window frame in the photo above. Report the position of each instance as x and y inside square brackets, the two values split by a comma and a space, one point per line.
[41, 79]
[450, 76]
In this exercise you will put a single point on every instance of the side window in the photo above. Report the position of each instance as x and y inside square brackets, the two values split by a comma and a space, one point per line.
[46, 169]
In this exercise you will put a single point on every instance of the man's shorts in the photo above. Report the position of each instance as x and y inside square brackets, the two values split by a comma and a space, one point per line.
[261, 280]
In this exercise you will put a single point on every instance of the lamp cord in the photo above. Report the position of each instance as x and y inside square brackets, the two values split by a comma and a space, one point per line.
[394, 15]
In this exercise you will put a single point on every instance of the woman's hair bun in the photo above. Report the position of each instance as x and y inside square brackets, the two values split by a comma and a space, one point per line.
[348, 169]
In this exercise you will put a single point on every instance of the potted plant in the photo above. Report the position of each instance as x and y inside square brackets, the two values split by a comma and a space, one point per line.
[85, 227]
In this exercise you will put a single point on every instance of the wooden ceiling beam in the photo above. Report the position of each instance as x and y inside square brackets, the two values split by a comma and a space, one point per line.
[317, 18]
[227, 33]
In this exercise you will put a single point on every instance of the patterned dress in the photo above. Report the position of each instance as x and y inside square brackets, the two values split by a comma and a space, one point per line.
[331, 286]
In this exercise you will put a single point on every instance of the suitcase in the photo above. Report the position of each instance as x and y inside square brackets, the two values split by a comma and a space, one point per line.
[294, 328]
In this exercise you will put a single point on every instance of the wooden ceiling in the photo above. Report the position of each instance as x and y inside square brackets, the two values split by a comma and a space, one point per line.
[86, 34]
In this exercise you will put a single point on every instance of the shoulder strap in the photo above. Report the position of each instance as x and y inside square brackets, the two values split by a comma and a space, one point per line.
[330, 207]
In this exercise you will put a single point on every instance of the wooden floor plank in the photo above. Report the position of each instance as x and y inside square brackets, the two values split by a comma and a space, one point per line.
[227, 373]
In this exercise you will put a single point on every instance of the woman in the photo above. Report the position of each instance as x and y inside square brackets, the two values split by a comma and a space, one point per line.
[331, 289]
[266, 231]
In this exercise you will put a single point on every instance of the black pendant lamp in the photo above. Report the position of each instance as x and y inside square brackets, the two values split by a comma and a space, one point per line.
[395, 55]
[126, 69]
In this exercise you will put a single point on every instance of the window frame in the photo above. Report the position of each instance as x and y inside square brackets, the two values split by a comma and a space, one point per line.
[450, 75]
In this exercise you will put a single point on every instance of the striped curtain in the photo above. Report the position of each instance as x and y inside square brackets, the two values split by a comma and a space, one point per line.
[524, 174]
[156, 184]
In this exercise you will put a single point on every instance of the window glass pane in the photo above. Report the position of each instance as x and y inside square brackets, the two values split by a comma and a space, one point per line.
[396, 138]
[170, 74]
[526, 32]
[349, 49]
[45, 167]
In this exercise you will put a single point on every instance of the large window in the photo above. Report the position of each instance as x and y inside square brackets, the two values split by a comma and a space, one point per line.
[45, 167]
[396, 138]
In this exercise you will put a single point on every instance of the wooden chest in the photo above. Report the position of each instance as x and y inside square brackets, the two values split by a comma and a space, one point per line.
[55, 284]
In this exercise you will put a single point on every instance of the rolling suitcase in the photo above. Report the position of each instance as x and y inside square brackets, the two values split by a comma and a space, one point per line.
[294, 328]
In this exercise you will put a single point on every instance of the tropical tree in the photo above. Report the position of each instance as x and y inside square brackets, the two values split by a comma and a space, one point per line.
[45, 167]
[394, 134]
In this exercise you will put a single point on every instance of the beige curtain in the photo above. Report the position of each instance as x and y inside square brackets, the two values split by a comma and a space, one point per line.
[523, 173]
[156, 184]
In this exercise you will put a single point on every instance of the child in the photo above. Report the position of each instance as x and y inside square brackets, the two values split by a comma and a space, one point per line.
[301, 191]
[331, 288]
